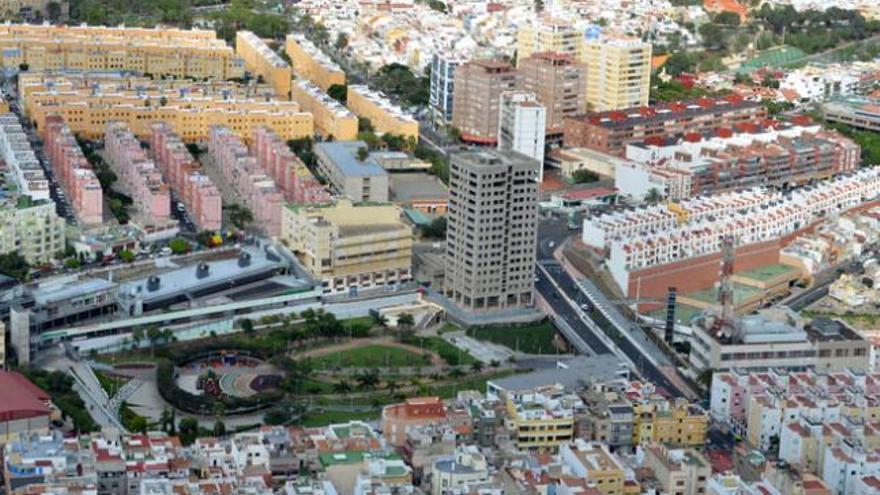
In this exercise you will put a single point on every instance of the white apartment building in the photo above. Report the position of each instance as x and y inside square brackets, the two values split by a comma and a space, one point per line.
[443, 85]
[522, 124]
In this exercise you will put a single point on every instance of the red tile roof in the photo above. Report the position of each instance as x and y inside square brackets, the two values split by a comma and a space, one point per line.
[21, 398]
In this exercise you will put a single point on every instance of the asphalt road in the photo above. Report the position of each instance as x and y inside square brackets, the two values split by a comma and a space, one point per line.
[551, 233]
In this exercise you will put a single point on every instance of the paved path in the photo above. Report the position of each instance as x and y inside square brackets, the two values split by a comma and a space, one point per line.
[480, 349]
[436, 360]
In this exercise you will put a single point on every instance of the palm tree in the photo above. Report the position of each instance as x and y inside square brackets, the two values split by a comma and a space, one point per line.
[368, 379]
[342, 387]
[477, 366]
[405, 321]
[654, 196]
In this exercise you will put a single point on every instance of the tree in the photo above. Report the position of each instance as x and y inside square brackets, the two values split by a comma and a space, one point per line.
[341, 41]
[179, 245]
[477, 366]
[341, 387]
[240, 216]
[189, 430]
[654, 196]
[126, 256]
[153, 335]
[436, 229]
[14, 265]
[362, 153]
[138, 424]
[679, 62]
[247, 326]
[339, 92]
[72, 263]
[728, 19]
[583, 175]
[405, 321]
[219, 429]
[364, 125]
[368, 380]
[53, 10]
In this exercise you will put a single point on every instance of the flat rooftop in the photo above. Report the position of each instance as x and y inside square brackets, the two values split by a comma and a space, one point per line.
[768, 272]
[417, 186]
[741, 294]
[343, 155]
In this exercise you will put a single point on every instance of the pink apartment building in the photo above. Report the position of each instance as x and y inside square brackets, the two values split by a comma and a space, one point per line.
[183, 173]
[290, 174]
[74, 172]
[259, 191]
[138, 175]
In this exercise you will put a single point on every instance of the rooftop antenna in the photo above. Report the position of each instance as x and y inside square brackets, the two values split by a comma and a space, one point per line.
[724, 325]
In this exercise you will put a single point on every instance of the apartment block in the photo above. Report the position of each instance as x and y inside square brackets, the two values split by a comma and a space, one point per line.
[640, 241]
[386, 117]
[610, 131]
[618, 72]
[138, 175]
[398, 420]
[560, 84]
[476, 100]
[350, 247]
[158, 51]
[465, 468]
[296, 181]
[855, 111]
[73, 171]
[254, 186]
[749, 155]
[678, 471]
[332, 120]
[594, 462]
[443, 69]
[20, 163]
[311, 64]
[548, 34]
[492, 230]
[194, 188]
[541, 419]
[263, 62]
[348, 175]
[522, 126]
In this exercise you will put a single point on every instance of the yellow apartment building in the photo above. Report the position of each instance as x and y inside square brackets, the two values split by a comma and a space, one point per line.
[262, 61]
[350, 246]
[538, 422]
[386, 117]
[594, 462]
[331, 117]
[549, 35]
[311, 63]
[618, 73]
[156, 51]
[618, 67]
[191, 118]
[669, 422]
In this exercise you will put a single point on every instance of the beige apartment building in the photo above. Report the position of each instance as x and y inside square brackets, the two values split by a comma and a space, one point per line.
[332, 119]
[618, 73]
[310, 63]
[559, 82]
[350, 247]
[477, 98]
[386, 117]
[87, 113]
[262, 61]
[618, 67]
[491, 230]
[35, 232]
[157, 51]
[679, 471]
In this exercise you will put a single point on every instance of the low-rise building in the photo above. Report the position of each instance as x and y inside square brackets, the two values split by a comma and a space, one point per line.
[399, 419]
[855, 111]
[350, 175]
[682, 472]
[332, 120]
[350, 247]
[596, 464]
[138, 176]
[74, 172]
[254, 186]
[541, 419]
[263, 62]
[289, 172]
[194, 188]
[310, 63]
[467, 468]
[385, 117]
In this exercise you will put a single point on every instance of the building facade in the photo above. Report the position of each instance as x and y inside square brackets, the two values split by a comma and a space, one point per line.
[522, 126]
[75, 173]
[332, 120]
[478, 88]
[350, 247]
[443, 85]
[138, 175]
[348, 175]
[310, 63]
[385, 117]
[263, 62]
[296, 181]
[558, 82]
[492, 230]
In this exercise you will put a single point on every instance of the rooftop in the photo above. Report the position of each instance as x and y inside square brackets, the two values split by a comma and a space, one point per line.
[343, 155]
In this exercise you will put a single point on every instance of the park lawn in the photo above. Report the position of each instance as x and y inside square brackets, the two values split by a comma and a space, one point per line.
[530, 339]
[370, 356]
[332, 417]
[448, 352]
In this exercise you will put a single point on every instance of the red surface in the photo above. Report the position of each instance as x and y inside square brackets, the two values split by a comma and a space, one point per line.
[21, 399]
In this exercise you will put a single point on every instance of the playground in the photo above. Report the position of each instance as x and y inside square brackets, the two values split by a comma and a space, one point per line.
[229, 373]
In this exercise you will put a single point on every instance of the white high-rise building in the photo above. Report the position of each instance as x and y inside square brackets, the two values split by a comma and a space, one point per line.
[522, 124]
[442, 85]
